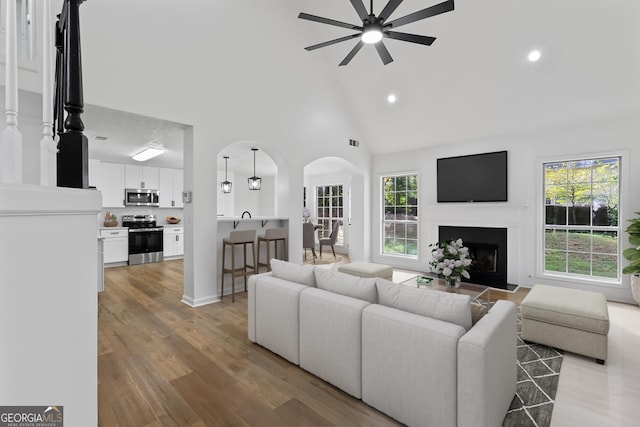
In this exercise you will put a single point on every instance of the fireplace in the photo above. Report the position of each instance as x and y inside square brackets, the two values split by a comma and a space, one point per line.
[488, 250]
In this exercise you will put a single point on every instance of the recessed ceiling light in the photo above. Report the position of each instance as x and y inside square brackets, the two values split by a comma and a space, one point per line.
[534, 56]
[391, 98]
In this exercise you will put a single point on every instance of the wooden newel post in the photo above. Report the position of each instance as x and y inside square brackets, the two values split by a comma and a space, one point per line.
[73, 154]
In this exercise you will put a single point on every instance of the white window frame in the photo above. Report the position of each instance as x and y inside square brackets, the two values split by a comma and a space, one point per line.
[382, 176]
[623, 178]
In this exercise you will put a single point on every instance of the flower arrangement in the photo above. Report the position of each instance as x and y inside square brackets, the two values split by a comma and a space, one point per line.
[450, 259]
[306, 213]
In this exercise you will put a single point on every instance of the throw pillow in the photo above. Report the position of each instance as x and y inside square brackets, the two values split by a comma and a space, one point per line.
[452, 308]
[348, 285]
[302, 274]
[477, 312]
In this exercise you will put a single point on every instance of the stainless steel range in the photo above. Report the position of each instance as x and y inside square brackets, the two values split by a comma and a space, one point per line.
[145, 239]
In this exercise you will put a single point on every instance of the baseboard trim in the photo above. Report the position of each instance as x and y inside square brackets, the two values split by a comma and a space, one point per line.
[199, 302]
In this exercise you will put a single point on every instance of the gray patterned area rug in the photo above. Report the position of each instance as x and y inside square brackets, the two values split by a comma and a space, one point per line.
[538, 375]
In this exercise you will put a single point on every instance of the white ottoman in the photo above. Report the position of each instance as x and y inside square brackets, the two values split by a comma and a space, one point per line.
[569, 319]
[367, 269]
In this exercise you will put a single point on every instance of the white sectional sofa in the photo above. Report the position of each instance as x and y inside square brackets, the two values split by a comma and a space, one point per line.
[410, 353]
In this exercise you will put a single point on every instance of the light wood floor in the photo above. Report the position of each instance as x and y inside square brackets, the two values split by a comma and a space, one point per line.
[163, 363]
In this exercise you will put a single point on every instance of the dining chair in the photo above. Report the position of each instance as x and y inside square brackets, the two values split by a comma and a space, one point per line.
[309, 239]
[331, 240]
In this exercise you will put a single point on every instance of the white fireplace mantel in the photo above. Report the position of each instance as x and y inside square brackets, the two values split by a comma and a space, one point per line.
[496, 215]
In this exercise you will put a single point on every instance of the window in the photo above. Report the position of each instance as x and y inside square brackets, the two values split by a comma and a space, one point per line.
[400, 223]
[581, 229]
[330, 206]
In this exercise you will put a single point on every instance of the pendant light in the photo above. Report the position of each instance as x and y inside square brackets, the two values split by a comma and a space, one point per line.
[254, 182]
[226, 184]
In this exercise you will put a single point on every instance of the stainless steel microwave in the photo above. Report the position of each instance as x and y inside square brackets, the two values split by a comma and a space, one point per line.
[141, 197]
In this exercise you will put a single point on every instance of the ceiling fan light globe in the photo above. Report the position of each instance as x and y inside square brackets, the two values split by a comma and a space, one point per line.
[371, 35]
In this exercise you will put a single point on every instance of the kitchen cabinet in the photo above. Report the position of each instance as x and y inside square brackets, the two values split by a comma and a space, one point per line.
[116, 244]
[173, 241]
[137, 176]
[171, 183]
[111, 184]
[94, 173]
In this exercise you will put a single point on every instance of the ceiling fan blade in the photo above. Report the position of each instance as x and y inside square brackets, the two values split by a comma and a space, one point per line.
[384, 53]
[389, 9]
[322, 20]
[351, 54]
[359, 7]
[413, 38]
[330, 42]
[437, 9]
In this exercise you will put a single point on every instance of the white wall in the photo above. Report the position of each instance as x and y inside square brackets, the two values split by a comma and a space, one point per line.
[258, 202]
[522, 213]
[48, 299]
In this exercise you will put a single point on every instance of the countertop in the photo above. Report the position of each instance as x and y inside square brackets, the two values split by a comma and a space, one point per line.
[255, 218]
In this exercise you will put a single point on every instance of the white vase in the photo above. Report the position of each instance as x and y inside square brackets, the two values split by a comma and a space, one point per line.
[635, 287]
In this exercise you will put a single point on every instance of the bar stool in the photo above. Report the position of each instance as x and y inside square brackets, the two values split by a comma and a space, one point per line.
[244, 238]
[274, 235]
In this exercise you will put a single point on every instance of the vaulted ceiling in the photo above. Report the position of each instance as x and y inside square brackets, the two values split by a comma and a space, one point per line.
[473, 82]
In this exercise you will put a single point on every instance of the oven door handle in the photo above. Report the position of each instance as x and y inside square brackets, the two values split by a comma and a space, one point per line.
[142, 230]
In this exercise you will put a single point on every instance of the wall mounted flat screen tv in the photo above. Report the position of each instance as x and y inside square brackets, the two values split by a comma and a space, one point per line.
[474, 178]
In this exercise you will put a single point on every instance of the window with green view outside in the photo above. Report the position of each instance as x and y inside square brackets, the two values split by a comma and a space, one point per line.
[581, 230]
[400, 220]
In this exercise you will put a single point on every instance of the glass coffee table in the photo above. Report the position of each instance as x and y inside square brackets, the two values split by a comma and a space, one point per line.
[478, 293]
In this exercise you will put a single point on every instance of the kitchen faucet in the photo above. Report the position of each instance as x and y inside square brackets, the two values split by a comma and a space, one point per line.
[246, 212]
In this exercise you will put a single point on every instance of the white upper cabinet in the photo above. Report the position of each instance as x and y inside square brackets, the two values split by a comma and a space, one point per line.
[111, 184]
[94, 173]
[170, 186]
[137, 176]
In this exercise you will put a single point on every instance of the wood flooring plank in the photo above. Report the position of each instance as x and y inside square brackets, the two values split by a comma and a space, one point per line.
[164, 363]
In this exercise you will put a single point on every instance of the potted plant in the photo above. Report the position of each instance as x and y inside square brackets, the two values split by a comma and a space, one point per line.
[110, 220]
[450, 260]
[633, 255]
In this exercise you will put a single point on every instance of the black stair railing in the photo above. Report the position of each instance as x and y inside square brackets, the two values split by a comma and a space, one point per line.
[73, 147]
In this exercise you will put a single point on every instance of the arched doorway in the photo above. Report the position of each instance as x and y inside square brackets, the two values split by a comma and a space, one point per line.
[334, 190]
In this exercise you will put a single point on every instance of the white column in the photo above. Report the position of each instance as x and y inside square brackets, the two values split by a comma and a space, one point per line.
[11, 145]
[48, 147]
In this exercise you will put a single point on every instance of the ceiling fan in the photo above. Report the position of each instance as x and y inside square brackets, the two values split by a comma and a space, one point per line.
[374, 28]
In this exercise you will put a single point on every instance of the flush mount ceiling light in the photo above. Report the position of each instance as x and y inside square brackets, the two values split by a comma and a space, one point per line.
[226, 184]
[372, 33]
[374, 28]
[148, 153]
[255, 183]
[534, 56]
[391, 98]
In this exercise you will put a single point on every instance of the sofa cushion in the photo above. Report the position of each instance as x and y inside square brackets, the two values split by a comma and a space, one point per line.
[452, 308]
[348, 285]
[277, 319]
[409, 365]
[302, 274]
[330, 338]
